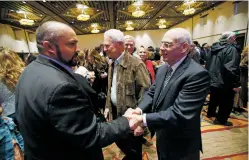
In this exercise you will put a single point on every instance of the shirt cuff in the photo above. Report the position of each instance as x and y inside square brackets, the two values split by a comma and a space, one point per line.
[144, 120]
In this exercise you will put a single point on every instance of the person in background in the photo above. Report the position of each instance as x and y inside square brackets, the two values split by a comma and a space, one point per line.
[143, 53]
[193, 53]
[223, 67]
[197, 47]
[12, 145]
[130, 45]
[205, 51]
[151, 52]
[11, 67]
[244, 77]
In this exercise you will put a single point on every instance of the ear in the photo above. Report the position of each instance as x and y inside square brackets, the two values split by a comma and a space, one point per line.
[49, 47]
[185, 47]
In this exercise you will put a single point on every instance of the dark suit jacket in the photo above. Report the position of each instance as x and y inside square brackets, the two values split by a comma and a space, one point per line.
[54, 113]
[177, 113]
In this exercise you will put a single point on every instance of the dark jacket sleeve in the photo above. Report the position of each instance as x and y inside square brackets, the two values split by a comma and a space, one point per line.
[187, 105]
[231, 65]
[71, 115]
[147, 100]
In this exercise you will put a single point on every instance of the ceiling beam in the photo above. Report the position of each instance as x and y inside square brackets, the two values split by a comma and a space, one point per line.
[51, 14]
[111, 14]
[161, 11]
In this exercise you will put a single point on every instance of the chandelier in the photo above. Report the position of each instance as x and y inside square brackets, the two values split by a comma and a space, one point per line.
[95, 28]
[25, 21]
[83, 16]
[189, 10]
[161, 23]
[129, 27]
[138, 12]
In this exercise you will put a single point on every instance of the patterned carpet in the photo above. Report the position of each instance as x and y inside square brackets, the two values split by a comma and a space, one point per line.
[219, 142]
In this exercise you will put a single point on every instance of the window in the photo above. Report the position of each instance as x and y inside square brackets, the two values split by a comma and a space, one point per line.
[203, 20]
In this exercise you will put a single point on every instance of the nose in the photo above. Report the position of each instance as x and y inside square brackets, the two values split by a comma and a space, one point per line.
[105, 49]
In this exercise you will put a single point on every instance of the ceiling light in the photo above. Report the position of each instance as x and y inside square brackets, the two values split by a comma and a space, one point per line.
[162, 26]
[138, 12]
[129, 27]
[83, 17]
[189, 11]
[161, 23]
[27, 22]
[95, 31]
[95, 28]
[23, 2]
[44, 0]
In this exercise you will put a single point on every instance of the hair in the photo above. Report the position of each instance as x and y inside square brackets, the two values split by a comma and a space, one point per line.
[245, 52]
[129, 37]
[98, 61]
[180, 35]
[81, 58]
[203, 45]
[225, 36]
[11, 67]
[151, 49]
[115, 35]
[49, 31]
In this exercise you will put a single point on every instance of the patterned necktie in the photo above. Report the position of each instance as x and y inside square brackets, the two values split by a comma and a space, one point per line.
[167, 78]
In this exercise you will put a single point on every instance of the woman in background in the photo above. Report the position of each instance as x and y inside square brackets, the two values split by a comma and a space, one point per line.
[11, 67]
[143, 53]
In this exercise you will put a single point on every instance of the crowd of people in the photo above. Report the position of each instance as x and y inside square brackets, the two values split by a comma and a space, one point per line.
[67, 103]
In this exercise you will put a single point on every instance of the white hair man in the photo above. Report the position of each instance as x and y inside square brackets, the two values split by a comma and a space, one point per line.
[130, 45]
[176, 98]
[223, 66]
[128, 79]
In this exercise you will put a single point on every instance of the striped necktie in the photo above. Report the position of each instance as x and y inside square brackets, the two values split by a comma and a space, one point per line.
[167, 78]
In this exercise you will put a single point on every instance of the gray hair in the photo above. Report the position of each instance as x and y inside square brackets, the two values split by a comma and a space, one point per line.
[129, 37]
[48, 31]
[180, 35]
[115, 35]
[225, 36]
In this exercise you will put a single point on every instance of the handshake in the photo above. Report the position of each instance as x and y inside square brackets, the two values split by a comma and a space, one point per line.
[135, 120]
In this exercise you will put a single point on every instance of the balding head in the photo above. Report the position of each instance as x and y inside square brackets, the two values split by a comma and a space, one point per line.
[175, 45]
[180, 35]
[50, 31]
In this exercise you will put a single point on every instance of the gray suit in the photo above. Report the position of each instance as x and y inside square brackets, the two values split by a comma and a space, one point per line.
[176, 114]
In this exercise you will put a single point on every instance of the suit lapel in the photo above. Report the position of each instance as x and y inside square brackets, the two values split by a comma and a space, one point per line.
[179, 71]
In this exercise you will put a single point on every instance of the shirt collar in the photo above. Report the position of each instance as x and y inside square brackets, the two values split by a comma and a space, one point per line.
[61, 64]
[174, 67]
[118, 60]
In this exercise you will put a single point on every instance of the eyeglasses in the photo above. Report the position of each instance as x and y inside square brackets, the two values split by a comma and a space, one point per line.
[166, 44]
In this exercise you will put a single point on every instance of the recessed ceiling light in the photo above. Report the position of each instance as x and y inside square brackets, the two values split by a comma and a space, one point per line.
[23, 2]
[44, 0]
